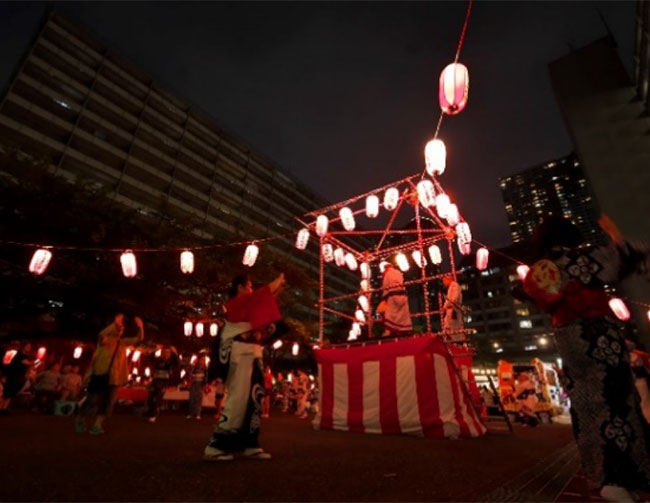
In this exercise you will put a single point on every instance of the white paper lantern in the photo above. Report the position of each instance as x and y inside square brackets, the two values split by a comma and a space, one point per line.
[302, 239]
[402, 262]
[136, 356]
[250, 255]
[418, 259]
[158, 353]
[77, 352]
[198, 329]
[214, 329]
[328, 252]
[522, 271]
[435, 157]
[193, 359]
[619, 308]
[452, 215]
[347, 219]
[147, 371]
[295, 349]
[435, 255]
[339, 257]
[322, 223]
[129, 265]
[352, 336]
[365, 270]
[187, 262]
[365, 285]
[363, 302]
[277, 344]
[351, 262]
[372, 206]
[358, 314]
[391, 198]
[187, 328]
[382, 266]
[40, 261]
[482, 257]
[464, 238]
[356, 328]
[442, 202]
[40, 354]
[426, 193]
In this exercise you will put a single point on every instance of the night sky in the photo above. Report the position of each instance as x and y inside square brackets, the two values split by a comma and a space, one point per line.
[344, 95]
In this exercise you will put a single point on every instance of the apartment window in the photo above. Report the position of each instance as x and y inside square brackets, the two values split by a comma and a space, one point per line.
[525, 324]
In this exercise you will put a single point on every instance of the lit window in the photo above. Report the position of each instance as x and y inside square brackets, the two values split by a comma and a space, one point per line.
[522, 311]
[490, 294]
[525, 324]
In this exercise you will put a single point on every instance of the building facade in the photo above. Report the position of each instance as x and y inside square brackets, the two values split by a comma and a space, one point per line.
[642, 52]
[557, 188]
[96, 117]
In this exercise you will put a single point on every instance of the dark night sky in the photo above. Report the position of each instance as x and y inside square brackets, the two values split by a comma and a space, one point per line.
[344, 95]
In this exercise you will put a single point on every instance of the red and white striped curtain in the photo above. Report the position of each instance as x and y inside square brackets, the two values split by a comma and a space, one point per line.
[406, 386]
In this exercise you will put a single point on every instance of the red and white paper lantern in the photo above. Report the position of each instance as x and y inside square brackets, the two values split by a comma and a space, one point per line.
[187, 262]
[454, 88]
[129, 264]
[250, 255]
[328, 252]
[302, 239]
[40, 261]
[619, 308]
[482, 257]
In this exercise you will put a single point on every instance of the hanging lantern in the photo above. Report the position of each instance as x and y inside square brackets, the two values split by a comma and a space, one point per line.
[347, 219]
[435, 157]
[135, 371]
[452, 215]
[339, 257]
[419, 259]
[648, 315]
[158, 353]
[295, 349]
[129, 265]
[328, 252]
[187, 328]
[147, 371]
[183, 373]
[365, 285]
[358, 314]
[363, 302]
[187, 262]
[435, 255]
[356, 328]
[619, 308]
[198, 329]
[9, 355]
[302, 239]
[442, 202]
[391, 198]
[382, 266]
[351, 262]
[136, 356]
[250, 255]
[365, 270]
[40, 261]
[207, 360]
[128, 352]
[193, 359]
[40, 354]
[482, 256]
[402, 262]
[454, 88]
[426, 193]
[277, 344]
[352, 336]
[76, 354]
[464, 238]
[214, 329]
[522, 271]
[322, 222]
[372, 206]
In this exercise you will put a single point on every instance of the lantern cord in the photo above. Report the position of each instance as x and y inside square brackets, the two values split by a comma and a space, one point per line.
[461, 39]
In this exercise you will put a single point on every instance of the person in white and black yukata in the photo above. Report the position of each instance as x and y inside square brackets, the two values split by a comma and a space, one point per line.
[250, 318]
[395, 303]
[569, 283]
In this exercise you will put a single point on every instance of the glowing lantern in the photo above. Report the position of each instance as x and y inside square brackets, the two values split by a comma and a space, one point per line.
[128, 352]
[250, 255]
[363, 302]
[464, 238]
[77, 352]
[207, 360]
[135, 371]
[648, 315]
[187, 328]
[295, 349]
[426, 193]
[9, 355]
[187, 262]
[40, 261]
[435, 255]
[147, 371]
[183, 373]
[452, 215]
[365, 270]
[136, 356]
[391, 198]
[198, 329]
[454, 88]
[382, 266]
[302, 239]
[482, 256]
[435, 157]
[328, 252]
[158, 353]
[277, 344]
[352, 336]
[442, 202]
[322, 222]
[347, 219]
[619, 308]
[339, 257]
[365, 285]
[351, 262]
[522, 271]
[40, 354]
[358, 314]
[402, 262]
[193, 359]
[129, 265]
[419, 259]
[356, 328]
[372, 206]
[214, 329]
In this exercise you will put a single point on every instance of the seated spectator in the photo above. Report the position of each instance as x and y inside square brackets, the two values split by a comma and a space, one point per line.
[71, 383]
[47, 386]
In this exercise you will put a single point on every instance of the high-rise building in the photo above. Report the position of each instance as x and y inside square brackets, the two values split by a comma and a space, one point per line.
[94, 116]
[557, 188]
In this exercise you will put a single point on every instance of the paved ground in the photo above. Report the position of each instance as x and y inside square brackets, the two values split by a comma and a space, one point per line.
[44, 460]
